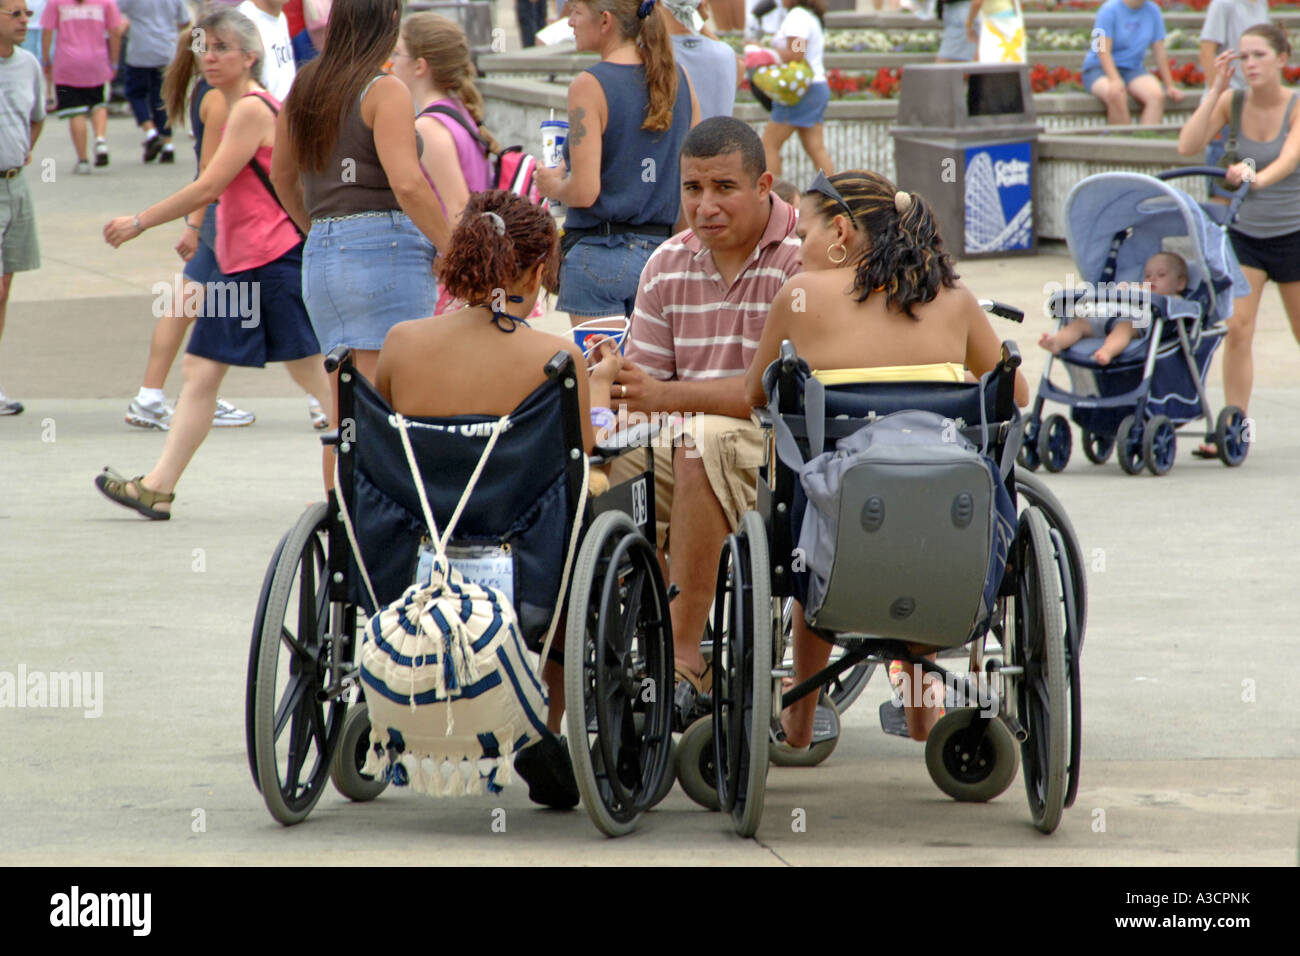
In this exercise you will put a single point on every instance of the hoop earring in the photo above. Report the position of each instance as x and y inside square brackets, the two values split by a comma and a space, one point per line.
[844, 253]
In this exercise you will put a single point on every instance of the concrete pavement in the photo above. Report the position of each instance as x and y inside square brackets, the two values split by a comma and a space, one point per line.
[1191, 753]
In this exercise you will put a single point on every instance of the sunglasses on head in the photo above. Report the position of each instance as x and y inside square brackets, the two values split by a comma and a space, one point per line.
[822, 185]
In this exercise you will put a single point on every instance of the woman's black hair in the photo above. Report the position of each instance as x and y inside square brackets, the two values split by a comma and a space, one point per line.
[905, 258]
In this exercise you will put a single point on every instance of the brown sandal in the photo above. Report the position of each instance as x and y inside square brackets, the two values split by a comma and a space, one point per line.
[114, 487]
[702, 684]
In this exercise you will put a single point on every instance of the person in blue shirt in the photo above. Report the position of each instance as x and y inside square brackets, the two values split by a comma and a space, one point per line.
[1121, 36]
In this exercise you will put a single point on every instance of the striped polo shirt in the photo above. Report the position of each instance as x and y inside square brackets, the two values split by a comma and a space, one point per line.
[688, 324]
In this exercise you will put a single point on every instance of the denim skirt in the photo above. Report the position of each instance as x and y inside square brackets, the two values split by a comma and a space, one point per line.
[601, 274]
[363, 275]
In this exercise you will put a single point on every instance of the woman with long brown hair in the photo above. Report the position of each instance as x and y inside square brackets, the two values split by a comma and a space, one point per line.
[348, 173]
[628, 116]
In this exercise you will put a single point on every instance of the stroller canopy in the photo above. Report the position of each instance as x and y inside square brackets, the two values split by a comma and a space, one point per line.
[1107, 203]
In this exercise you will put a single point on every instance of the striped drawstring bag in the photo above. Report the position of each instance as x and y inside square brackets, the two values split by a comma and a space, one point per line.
[447, 678]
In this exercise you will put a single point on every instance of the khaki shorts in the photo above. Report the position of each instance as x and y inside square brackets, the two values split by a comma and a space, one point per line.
[19, 250]
[732, 451]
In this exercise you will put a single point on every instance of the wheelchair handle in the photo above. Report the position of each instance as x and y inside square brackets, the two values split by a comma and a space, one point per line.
[1002, 310]
[338, 355]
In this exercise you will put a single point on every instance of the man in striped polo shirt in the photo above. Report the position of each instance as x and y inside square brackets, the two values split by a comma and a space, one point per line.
[704, 297]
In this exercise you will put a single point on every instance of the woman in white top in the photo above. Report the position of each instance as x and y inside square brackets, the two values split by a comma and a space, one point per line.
[801, 37]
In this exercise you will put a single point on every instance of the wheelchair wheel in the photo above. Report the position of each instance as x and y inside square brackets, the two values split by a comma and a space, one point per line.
[294, 730]
[972, 775]
[1037, 494]
[743, 685]
[618, 658]
[1097, 448]
[350, 757]
[1040, 691]
[696, 770]
[1054, 443]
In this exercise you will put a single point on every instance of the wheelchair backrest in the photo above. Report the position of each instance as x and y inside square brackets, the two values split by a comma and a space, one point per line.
[901, 515]
[524, 501]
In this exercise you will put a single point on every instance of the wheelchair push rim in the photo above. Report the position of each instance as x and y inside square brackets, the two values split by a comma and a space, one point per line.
[618, 667]
[1039, 648]
[743, 691]
[295, 727]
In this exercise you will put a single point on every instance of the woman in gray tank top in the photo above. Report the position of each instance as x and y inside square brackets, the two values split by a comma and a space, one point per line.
[1266, 233]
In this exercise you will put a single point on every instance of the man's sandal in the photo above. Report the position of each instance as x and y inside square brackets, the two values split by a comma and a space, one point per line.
[692, 695]
[114, 487]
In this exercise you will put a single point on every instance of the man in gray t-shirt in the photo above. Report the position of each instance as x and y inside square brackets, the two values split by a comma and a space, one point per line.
[712, 66]
[1225, 21]
[22, 114]
[151, 42]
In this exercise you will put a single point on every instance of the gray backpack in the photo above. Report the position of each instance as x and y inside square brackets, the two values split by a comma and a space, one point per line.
[907, 528]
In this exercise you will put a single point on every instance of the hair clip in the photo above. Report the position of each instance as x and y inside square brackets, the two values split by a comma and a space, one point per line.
[647, 7]
[902, 202]
[498, 223]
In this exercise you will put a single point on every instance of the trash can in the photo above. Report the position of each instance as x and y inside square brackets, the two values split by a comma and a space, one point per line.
[967, 140]
[473, 16]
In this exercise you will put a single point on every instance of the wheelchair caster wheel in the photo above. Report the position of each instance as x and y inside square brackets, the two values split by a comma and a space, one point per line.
[695, 764]
[826, 734]
[350, 757]
[971, 774]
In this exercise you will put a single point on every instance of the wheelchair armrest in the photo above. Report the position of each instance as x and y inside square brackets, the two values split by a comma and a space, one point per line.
[621, 442]
[763, 416]
[338, 355]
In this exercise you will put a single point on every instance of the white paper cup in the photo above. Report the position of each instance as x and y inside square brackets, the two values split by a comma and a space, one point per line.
[554, 133]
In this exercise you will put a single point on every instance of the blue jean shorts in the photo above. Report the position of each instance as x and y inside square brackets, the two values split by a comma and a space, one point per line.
[601, 274]
[1094, 73]
[362, 276]
[808, 112]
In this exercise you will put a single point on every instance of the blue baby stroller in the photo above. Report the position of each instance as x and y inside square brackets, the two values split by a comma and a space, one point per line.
[1134, 404]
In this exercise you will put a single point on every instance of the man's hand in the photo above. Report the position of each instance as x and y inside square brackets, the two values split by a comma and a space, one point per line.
[1174, 94]
[637, 390]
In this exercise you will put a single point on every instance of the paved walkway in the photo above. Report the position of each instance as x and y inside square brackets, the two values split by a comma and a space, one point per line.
[1190, 750]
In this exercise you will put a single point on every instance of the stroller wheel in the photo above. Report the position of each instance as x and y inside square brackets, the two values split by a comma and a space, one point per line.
[1159, 445]
[1098, 448]
[1027, 457]
[1232, 433]
[1128, 445]
[1054, 443]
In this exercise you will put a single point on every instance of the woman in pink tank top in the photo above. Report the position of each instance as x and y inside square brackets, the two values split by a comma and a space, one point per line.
[255, 313]
[432, 59]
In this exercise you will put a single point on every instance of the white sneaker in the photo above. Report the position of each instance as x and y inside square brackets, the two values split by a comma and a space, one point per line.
[149, 415]
[319, 419]
[228, 416]
[82, 168]
[8, 406]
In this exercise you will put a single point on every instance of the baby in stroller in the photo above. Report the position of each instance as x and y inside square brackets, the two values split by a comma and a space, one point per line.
[1165, 273]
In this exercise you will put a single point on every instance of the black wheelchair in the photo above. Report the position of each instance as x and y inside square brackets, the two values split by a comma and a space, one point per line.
[1026, 650]
[306, 718]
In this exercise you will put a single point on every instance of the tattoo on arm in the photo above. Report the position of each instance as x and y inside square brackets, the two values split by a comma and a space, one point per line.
[577, 130]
